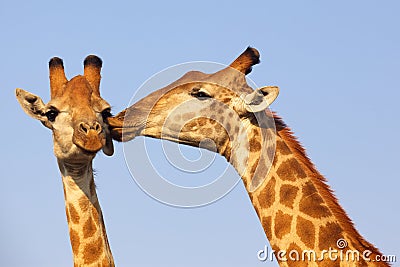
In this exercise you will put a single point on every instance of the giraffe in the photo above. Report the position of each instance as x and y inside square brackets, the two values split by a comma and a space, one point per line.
[297, 209]
[77, 116]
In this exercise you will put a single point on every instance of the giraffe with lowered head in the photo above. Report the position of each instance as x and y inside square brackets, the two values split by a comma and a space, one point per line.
[296, 207]
[77, 116]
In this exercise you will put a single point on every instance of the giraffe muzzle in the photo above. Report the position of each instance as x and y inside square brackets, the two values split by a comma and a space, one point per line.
[90, 138]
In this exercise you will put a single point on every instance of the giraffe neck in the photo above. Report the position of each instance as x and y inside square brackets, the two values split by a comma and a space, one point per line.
[85, 220]
[296, 207]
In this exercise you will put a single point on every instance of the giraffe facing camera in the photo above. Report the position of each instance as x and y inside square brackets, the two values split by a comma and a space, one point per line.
[77, 116]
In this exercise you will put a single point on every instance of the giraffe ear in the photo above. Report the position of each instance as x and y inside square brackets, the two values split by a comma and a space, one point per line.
[261, 98]
[32, 105]
[108, 148]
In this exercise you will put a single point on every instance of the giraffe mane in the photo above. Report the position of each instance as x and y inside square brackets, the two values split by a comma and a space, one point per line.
[320, 183]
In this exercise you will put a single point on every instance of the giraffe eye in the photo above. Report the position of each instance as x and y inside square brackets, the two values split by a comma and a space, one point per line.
[106, 113]
[51, 115]
[198, 93]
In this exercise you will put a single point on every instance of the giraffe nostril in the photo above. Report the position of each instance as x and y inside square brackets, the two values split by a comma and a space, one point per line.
[97, 127]
[84, 127]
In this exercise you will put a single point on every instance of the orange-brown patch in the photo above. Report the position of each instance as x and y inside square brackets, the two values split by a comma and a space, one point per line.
[73, 214]
[282, 224]
[306, 231]
[329, 235]
[254, 145]
[311, 202]
[84, 204]
[89, 228]
[287, 195]
[276, 160]
[326, 262]
[291, 170]
[267, 225]
[202, 121]
[75, 242]
[93, 251]
[282, 148]
[284, 132]
[106, 262]
[294, 256]
[67, 213]
[267, 196]
[206, 131]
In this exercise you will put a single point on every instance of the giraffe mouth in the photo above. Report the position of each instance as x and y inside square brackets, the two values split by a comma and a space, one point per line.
[89, 146]
[87, 152]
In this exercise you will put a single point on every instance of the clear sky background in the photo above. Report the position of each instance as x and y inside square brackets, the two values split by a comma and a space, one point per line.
[337, 64]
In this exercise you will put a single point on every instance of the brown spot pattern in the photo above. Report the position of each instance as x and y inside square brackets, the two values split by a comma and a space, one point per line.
[294, 256]
[202, 121]
[267, 196]
[73, 214]
[306, 231]
[287, 195]
[89, 228]
[254, 145]
[282, 148]
[106, 262]
[291, 170]
[282, 224]
[84, 204]
[206, 131]
[328, 235]
[267, 225]
[329, 263]
[75, 243]
[311, 202]
[68, 217]
[92, 251]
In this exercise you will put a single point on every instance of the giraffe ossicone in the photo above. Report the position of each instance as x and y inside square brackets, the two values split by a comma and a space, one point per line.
[296, 207]
[77, 116]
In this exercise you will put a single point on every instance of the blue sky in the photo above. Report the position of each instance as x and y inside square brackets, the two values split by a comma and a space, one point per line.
[337, 66]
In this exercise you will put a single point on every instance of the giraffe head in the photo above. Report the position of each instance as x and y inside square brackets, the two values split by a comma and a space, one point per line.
[76, 113]
[199, 107]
